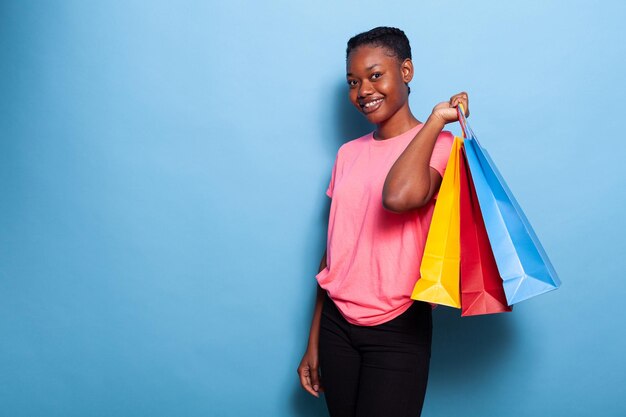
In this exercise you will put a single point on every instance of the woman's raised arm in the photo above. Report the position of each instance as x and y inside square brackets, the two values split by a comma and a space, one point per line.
[411, 182]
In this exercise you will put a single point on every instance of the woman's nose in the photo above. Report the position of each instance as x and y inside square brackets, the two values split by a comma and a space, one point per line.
[365, 89]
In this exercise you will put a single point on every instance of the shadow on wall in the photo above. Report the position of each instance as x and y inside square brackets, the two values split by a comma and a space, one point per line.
[350, 123]
[341, 122]
[467, 347]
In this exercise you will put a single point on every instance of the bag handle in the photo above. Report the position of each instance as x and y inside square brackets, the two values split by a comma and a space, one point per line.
[467, 130]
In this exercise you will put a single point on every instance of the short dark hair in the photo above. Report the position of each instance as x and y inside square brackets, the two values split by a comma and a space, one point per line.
[390, 38]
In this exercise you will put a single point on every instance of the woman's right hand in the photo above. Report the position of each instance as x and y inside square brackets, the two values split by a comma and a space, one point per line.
[309, 372]
[446, 110]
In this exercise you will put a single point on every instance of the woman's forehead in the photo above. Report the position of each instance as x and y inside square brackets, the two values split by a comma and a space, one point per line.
[366, 57]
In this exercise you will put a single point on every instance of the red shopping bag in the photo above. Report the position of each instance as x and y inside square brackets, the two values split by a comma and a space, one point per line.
[482, 290]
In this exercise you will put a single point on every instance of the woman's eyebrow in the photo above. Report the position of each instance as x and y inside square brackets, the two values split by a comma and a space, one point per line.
[366, 69]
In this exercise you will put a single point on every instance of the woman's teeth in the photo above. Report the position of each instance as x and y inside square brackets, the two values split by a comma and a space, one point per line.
[373, 103]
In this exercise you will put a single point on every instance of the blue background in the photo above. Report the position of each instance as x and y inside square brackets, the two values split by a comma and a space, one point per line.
[162, 208]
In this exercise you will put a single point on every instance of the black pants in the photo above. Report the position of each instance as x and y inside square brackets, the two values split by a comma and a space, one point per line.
[377, 371]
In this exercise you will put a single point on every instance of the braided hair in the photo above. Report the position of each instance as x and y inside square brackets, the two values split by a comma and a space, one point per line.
[390, 38]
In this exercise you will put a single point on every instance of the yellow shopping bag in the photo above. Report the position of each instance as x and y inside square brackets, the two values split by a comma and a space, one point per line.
[440, 268]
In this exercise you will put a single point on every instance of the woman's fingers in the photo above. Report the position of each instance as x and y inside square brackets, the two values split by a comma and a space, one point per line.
[305, 380]
[465, 101]
[315, 380]
[447, 110]
[462, 98]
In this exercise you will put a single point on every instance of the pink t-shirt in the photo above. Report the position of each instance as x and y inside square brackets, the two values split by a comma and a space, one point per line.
[374, 255]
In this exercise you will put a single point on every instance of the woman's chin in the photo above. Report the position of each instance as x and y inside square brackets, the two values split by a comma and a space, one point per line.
[375, 118]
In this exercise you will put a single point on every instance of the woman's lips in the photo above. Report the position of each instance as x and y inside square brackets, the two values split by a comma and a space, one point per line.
[372, 106]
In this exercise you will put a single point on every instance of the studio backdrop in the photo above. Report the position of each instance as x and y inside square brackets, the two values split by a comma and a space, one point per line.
[163, 215]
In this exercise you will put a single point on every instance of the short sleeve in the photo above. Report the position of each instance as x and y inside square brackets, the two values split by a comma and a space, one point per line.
[441, 151]
[333, 175]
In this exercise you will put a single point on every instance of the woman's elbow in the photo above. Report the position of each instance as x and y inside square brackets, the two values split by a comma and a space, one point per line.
[400, 204]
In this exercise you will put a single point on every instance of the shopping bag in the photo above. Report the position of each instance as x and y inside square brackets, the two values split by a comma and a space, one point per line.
[522, 262]
[439, 270]
[482, 291]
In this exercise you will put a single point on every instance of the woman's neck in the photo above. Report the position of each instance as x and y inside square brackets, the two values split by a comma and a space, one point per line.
[397, 124]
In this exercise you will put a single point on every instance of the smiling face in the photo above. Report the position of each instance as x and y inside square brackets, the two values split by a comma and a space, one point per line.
[376, 80]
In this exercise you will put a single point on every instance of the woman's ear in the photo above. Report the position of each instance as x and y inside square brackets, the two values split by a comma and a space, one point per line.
[407, 70]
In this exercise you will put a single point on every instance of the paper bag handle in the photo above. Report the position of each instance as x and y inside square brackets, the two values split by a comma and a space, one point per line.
[467, 130]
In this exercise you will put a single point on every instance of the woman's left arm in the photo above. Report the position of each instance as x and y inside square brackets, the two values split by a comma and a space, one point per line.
[411, 181]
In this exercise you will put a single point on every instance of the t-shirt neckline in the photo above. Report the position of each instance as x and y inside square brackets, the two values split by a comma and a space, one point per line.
[411, 132]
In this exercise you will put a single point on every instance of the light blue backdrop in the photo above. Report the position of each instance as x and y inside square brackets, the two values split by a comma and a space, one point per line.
[162, 207]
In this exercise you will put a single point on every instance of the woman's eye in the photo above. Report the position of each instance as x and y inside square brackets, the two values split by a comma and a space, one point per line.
[376, 75]
[351, 83]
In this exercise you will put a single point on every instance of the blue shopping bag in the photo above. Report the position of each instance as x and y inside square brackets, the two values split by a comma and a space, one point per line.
[522, 262]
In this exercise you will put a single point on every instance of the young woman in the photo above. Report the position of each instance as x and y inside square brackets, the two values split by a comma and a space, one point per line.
[369, 343]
